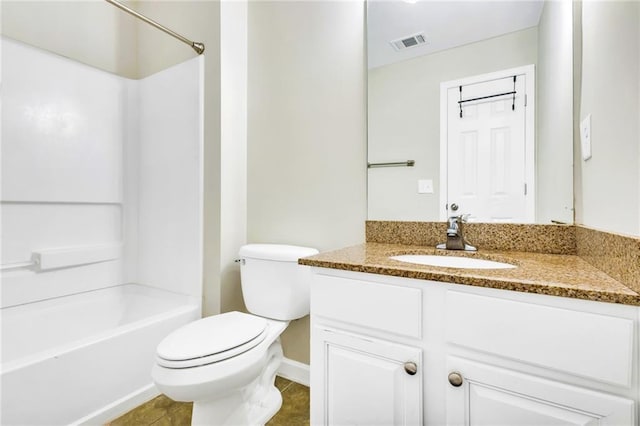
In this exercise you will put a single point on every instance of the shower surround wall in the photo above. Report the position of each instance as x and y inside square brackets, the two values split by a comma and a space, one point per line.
[104, 176]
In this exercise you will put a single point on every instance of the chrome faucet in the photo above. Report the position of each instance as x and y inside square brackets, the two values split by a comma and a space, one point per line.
[455, 237]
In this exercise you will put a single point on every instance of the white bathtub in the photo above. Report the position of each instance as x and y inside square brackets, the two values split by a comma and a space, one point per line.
[87, 357]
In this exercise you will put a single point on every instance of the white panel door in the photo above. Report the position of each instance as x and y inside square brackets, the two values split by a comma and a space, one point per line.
[492, 396]
[486, 151]
[365, 382]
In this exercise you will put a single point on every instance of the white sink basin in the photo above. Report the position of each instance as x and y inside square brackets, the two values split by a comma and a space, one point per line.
[452, 261]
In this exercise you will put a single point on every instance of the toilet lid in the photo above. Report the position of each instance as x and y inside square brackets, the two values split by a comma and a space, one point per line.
[211, 339]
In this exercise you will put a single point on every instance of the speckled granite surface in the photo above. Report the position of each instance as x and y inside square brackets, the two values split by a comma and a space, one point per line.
[556, 239]
[617, 255]
[552, 274]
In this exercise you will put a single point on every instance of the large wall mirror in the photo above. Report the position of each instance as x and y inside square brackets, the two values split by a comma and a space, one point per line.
[503, 154]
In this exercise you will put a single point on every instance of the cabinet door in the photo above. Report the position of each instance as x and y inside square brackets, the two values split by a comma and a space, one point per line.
[492, 396]
[365, 381]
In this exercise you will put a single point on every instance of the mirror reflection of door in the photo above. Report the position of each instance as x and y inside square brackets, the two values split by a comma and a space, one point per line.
[487, 160]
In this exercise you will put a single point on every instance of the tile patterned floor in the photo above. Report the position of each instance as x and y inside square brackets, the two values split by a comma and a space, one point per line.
[295, 404]
[163, 411]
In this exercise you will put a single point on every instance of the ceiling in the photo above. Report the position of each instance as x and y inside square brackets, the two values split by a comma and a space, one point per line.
[445, 24]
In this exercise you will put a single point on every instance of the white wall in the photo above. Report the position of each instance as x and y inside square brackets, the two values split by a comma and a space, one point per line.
[222, 27]
[63, 124]
[90, 159]
[63, 131]
[554, 147]
[200, 21]
[610, 180]
[233, 148]
[98, 34]
[306, 123]
[404, 119]
[89, 31]
[169, 179]
[306, 130]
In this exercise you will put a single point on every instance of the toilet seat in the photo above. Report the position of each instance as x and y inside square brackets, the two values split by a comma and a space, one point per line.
[212, 339]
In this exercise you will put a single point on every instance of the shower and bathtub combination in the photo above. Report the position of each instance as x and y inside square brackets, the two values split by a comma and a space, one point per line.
[101, 232]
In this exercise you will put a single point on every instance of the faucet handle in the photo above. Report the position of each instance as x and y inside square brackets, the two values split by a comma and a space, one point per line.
[461, 217]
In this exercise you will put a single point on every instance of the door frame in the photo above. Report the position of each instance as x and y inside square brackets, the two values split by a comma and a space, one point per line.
[529, 147]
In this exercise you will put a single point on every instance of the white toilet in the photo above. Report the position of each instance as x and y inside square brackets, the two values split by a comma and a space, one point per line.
[226, 364]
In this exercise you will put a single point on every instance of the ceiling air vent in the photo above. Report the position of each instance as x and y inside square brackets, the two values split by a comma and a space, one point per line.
[410, 41]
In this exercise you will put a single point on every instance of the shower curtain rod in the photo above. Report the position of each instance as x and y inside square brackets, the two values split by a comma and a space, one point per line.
[198, 47]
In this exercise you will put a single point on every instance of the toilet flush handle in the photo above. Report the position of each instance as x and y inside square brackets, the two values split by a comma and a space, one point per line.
[240, 261]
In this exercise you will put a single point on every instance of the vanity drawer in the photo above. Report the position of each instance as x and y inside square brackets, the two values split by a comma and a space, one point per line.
[383, 307]
[594, 346]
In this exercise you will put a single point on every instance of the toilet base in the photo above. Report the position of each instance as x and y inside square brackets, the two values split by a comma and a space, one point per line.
[233, 410]
[252, 405]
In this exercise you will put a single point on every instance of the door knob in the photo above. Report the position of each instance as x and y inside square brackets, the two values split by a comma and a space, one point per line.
[455, 379]
[454, 207]
[411, 368]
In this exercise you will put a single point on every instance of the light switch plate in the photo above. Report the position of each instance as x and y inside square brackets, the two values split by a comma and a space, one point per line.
[585, 137]
[425, 186]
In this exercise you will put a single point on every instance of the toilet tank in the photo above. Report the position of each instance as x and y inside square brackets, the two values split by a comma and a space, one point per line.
[273, 284]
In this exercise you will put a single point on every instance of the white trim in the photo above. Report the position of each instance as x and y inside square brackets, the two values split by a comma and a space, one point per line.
[529, 72]
[120, 406]
[294, 371]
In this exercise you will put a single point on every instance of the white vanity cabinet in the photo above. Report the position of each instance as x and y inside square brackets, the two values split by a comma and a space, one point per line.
[366, 371]
[492, 396]
[369, 381]
[565, 345]
[483, 356]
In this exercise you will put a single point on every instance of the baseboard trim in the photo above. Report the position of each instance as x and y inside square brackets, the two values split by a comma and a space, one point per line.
[294, 371]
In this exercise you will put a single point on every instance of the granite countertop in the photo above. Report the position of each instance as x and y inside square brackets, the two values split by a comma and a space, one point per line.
[552, 274]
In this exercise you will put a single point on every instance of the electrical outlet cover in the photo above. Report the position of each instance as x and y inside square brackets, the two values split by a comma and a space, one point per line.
[425, 186]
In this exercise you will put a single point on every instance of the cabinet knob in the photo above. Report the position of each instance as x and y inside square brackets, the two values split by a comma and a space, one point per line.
[411, 368]
[455, 379]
